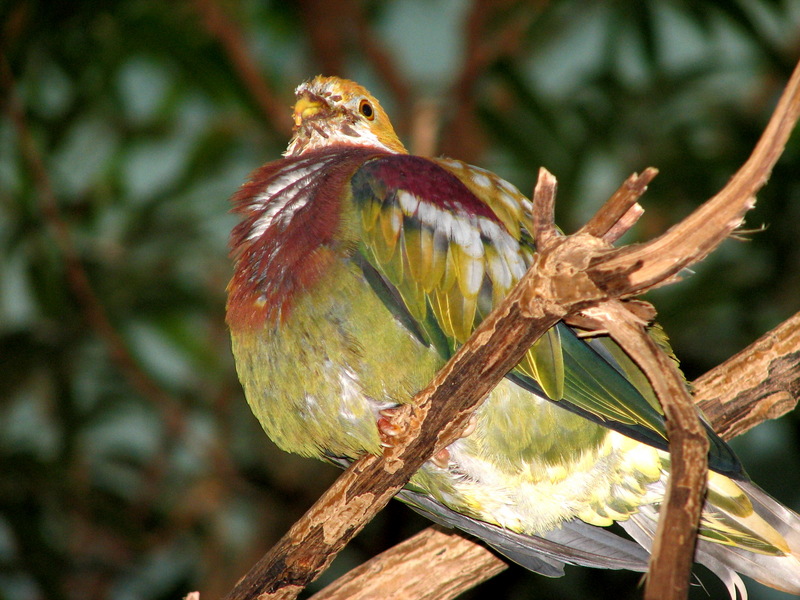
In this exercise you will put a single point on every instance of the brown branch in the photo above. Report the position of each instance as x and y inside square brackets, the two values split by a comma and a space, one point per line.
[571, 274]
[656, 262]
[709, 225]
[544, 226]
[435, 564]
[232, 40]
[761, 382]
[622, 210]
[672, 554]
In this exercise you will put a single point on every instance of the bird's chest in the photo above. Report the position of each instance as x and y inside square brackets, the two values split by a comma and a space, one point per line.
[317, 379]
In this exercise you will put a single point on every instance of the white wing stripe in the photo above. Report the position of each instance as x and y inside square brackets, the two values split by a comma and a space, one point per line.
[285, 194]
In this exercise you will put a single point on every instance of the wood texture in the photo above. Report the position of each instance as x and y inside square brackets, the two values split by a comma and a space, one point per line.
[761, 382]
[433, 565]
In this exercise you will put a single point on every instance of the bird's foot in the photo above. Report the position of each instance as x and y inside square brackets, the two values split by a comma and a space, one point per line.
[442, 458]
[388, 427]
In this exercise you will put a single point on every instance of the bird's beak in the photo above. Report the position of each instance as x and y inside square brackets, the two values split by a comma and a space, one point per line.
[306, 107]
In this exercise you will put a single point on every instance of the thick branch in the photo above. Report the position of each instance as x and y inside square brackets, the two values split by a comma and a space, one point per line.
[761, 382]
[433, 565]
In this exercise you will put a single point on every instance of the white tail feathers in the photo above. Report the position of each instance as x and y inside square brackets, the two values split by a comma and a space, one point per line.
[642, 528]
[779, 571]
[579, 543]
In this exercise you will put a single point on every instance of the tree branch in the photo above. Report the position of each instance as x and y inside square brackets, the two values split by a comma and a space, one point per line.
[435, 564]
[622, 210]
[697, 235]
[761, 382]
[672, 554]
[568, 275]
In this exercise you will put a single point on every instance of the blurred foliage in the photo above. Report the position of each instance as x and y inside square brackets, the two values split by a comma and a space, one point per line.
[130, 466]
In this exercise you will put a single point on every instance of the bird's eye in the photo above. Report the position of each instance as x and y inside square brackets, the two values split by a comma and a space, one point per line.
[365, 108]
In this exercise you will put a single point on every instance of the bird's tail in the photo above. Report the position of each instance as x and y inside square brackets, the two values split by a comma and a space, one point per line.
[743, 530]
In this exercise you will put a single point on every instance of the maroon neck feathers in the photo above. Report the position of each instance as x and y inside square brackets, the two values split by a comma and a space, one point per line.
[286, 241]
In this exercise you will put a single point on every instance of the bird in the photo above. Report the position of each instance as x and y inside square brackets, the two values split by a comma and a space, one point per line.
[359, 269]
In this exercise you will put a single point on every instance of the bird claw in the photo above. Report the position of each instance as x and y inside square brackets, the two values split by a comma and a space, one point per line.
[387, 425]
[442, 458]
[389, 430]
[470, 427]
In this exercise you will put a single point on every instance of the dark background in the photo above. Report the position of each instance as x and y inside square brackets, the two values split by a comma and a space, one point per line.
[130, 465]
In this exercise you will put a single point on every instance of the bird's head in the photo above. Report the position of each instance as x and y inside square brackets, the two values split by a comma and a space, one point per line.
[333, 111]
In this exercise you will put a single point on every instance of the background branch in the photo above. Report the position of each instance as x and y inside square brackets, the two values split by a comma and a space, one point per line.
[233, 41]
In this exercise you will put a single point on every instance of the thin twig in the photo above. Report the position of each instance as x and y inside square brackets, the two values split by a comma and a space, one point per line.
[544, 197]
[622, 210]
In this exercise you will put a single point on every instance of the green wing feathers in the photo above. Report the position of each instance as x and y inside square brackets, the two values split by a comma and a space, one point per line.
[452, 240]
[454, 260]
